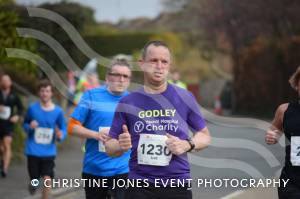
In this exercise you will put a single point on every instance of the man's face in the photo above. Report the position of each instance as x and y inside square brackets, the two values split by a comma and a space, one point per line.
[6, 82]
[118, 79]
[45, 94]
[156, 64]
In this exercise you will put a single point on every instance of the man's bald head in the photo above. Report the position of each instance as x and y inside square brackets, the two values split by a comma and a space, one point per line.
[5, 82]
[153, 43]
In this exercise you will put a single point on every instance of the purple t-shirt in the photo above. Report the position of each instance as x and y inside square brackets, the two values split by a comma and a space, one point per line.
[175, 111]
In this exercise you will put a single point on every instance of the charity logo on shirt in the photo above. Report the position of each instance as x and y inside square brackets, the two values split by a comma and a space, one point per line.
[156, 120]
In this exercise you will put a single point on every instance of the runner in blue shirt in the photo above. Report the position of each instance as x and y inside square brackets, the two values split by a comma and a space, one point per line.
[44, 125]
[92, 119]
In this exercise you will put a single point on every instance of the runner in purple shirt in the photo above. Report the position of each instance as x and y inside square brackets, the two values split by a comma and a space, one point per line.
[154, 122]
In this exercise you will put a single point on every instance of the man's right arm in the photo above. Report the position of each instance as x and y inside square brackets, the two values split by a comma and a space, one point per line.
[77, 129]
[275, 131]
[80, 114]
[114, 147]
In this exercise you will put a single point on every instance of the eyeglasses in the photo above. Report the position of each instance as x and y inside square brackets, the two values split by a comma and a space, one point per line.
[118, 75]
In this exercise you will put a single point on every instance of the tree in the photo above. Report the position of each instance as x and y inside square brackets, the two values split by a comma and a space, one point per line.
[79, 16]
[252, 32]
[22, 71]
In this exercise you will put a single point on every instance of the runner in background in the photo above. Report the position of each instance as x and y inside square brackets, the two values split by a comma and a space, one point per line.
[91, 120]
[154, 122]
[71, 91]
[44, 125]
[87, 82]
[88, 79]
[175, 79]
[287, 121]
[9, 116]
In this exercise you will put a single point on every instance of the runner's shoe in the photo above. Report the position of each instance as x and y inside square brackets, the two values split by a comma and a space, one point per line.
[32, 189]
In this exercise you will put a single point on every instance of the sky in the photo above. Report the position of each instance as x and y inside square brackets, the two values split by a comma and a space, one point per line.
[114, 10]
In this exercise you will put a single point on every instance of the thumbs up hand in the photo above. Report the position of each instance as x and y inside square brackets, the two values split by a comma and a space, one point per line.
[125, 139]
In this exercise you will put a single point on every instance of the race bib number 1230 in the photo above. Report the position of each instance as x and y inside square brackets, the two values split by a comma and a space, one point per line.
[152, 150]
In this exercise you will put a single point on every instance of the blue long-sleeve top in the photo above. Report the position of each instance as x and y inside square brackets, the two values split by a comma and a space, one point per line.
[49, 119]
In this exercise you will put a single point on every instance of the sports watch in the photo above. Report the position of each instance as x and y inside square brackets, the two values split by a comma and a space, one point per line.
[192, 144]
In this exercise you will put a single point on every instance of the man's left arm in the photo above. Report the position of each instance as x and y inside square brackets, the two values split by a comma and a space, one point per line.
[201, 138]
[199, 141]
[19, 105]
[16, 117]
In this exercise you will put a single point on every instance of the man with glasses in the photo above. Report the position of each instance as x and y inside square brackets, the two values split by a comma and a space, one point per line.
[92, 119]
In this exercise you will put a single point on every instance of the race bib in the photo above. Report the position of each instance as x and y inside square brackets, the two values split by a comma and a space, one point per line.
[43, 135]
[101, 146]
[5, 113]
[295, 150]
[152, 150]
